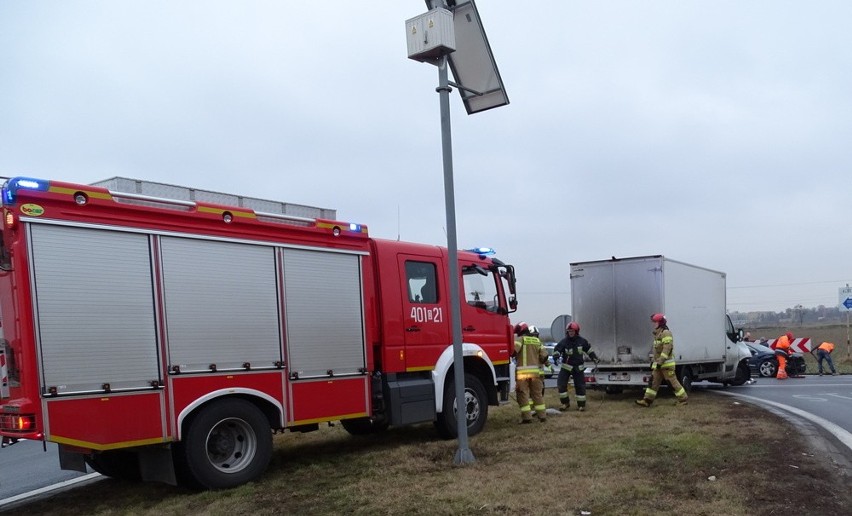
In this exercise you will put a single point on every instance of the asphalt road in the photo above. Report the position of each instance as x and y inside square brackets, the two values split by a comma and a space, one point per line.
[829, 397]
[25, 466]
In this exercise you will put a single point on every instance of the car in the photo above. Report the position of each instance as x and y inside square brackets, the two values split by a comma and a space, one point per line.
[763, 362]
[551, 368]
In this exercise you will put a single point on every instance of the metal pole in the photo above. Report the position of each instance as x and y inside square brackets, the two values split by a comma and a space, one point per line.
[463, 454]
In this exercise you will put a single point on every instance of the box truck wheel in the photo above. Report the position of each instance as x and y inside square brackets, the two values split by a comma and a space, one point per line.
[118, 464]
[685, 377]
[227, 444]
[743, 374]
[475, 404]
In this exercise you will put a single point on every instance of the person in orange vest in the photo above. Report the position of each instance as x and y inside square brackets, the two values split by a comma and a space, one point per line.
[782, 349]
[529, 355]
[824, 353]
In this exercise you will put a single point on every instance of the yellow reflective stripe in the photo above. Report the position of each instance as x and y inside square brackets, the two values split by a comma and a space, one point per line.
[664, 355]
[666, 340]
[681, 392]
[526, 408]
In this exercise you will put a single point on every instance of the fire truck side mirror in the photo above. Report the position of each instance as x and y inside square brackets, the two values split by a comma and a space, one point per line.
[513, 303]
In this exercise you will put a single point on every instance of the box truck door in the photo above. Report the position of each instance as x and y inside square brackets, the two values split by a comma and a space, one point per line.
[425, 310]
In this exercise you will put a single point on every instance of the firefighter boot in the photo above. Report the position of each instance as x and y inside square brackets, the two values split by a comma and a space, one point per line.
[644, 402]
[582, 406]
[565, 406]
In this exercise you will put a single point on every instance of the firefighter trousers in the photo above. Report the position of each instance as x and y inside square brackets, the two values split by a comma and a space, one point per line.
[577, 374]
[668, 374]
[526, 387]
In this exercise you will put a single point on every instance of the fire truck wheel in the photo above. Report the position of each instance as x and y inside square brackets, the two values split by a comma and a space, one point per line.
[364, 426]
[118, 464]
[476, 403]
[227, 444]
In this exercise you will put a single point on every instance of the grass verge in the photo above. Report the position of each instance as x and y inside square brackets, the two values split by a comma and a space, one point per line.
[713, 456]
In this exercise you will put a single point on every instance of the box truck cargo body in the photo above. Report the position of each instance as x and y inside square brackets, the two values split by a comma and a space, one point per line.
[613, 300]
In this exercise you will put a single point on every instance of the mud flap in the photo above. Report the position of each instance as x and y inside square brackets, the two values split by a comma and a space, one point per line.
[72, 461]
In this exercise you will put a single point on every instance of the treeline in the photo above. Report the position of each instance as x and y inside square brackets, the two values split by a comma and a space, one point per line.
[797, 315]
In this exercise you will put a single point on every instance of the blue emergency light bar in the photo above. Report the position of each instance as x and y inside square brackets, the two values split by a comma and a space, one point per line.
[12, 186]
[483, 251]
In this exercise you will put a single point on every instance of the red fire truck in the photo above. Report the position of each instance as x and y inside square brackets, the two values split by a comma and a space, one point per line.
[167, 340]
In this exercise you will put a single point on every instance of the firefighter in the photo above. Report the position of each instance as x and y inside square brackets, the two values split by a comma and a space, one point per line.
[663, 366]
[824, 353]
[782, 349]
[529, 355]
[571, 349]
[535, 333]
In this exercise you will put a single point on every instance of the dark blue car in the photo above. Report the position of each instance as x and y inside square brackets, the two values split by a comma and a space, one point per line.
[763, 362]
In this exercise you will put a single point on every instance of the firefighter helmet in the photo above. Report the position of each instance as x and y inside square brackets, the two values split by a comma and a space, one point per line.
[521, 328]
[533, 330]
[573, 326]
[660, 319]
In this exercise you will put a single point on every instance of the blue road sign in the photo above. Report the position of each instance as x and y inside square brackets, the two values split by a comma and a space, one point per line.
[848, 303]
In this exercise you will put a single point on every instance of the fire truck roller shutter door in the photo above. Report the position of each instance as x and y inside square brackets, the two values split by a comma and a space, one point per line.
[324, 312]
[96, 321]
[221, 301]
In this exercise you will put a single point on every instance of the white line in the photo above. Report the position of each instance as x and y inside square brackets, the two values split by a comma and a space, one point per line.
[59, 485]
[842, 435]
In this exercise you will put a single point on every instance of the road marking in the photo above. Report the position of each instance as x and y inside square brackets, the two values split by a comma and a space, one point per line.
[838, 396]
[808, 397]
[59, 485]
[842, 435]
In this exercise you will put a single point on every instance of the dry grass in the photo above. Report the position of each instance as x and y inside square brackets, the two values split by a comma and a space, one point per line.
[615, 458]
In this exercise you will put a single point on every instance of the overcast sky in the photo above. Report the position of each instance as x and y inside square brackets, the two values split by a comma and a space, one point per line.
[717, 133]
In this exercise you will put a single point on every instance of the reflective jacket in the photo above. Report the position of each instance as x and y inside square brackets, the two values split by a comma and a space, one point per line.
[530, 354]
[783, 343]
[572, 349]
[663, 348]
[828, 347]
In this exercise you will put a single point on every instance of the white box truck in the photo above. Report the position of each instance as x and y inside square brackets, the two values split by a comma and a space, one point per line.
[613, 300]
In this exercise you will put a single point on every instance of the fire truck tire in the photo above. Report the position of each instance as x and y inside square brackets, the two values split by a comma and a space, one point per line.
[118, 464]
[476, 402]
[227, 444]
[364, 426]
